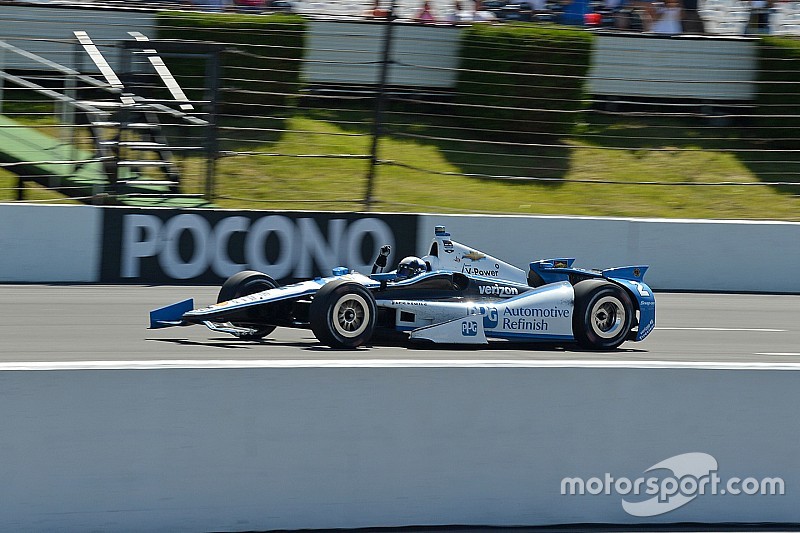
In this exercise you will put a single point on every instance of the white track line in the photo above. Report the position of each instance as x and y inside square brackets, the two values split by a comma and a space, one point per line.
[386, 363]
[780, 354]
[757, 330]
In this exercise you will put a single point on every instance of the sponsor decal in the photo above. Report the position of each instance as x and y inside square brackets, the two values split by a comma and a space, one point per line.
[469, 328]
[637, 272]
[520, 324]
[477, 271]
[537, 312]
[497, 290]
[646, 330]
[208, 246]
[489, 314]
[560, 264]
[448, 246]
[474, 256]
[409, 302]
[515, 319]
[672, 483]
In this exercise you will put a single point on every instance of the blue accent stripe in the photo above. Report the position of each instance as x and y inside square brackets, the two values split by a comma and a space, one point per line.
[222, 308]
[495, 335]
[528, 336]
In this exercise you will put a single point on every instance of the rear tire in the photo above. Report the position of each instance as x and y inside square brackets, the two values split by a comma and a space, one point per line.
[342, 314]
[603, 314]
[243, 284]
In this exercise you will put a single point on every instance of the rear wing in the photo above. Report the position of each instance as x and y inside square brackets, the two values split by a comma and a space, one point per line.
[632, 273]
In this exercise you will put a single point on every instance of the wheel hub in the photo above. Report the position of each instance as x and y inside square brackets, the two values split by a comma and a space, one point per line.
[608, 317]
[350, 316]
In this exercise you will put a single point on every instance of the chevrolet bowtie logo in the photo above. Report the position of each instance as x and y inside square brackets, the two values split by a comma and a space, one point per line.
[474, 256]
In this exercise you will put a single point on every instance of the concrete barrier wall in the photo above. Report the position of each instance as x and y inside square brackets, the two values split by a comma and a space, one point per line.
[52, 243]
[47, 31]
[696, 68]
[74, 243]
[697, 255]
[351, 53]
[384, 444]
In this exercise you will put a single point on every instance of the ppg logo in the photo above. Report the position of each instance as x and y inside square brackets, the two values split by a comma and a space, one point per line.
[469, 328]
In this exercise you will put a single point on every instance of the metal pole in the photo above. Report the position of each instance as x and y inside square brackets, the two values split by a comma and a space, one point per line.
[2, 80]
[211, 140]
[68, 117]
[380, 106]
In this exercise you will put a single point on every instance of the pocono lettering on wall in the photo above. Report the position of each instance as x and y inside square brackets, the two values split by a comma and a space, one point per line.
[208, 246]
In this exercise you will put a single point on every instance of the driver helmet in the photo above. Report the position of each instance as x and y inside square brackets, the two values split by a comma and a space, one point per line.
[409, 267]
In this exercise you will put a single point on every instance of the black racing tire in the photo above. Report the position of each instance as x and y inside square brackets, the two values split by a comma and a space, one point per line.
[342, 314]
[603, 314]
[245, 283]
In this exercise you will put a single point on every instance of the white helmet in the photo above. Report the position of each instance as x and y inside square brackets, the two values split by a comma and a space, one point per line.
[409, 267]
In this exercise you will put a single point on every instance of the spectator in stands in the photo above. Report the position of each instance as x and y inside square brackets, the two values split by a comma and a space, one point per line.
[616, 13]
[692, 23]
[759, 16]
[667, 18]
[536, 8]
[459, 14]
[647, 12]
[213, 5]
[575, 12]
[425, 14]
[481, 14]
[250, 6]
[376, 11]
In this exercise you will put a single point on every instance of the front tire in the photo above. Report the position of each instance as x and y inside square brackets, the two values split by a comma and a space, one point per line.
[342, 314]
[243, 284]
[603, 314]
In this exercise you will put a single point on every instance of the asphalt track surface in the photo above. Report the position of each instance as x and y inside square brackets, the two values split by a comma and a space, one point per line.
[57, 325]
[69, 323]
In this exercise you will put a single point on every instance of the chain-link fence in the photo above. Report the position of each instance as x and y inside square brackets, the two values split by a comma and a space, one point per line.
[359, 113]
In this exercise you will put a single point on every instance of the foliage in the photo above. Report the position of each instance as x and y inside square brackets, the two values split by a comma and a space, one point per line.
[261, 61]
[521, 77]
[779, 90]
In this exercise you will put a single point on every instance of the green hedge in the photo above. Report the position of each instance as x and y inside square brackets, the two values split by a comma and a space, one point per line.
[779, 88]
[262, 61]
[523, 77]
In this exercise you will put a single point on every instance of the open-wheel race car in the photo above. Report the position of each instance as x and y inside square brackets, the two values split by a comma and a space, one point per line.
[453, 295]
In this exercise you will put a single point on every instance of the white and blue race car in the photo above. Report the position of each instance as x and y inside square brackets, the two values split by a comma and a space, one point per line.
[453, 295]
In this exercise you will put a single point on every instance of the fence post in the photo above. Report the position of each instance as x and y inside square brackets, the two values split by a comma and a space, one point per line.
[380, 104]
[2, 79]
[212, 141]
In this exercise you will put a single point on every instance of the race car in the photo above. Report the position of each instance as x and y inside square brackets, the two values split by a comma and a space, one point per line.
[453, 295]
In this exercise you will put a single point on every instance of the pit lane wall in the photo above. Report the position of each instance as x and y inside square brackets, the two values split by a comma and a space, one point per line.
[332, 444]
[168, 246]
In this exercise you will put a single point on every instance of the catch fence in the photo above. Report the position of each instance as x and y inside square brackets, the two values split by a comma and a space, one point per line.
[351, 113]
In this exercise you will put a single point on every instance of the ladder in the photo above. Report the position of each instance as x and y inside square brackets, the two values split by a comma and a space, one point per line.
[129, 136]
